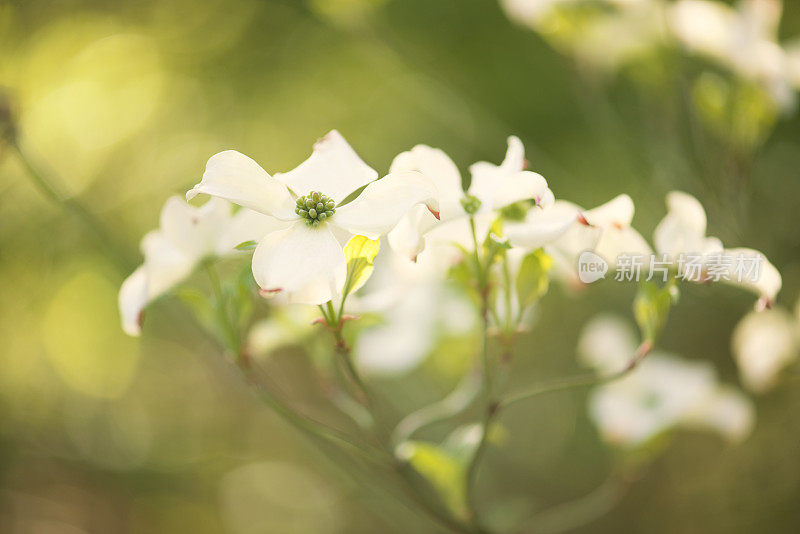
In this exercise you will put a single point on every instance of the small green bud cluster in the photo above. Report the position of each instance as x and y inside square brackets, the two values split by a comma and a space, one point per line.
[315, 208]
[471, 204]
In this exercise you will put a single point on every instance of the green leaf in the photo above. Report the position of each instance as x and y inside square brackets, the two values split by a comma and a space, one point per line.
[359, 253]
[651, 309]
[533, 277]
[444, 471]
[246, 245]
[445, 466]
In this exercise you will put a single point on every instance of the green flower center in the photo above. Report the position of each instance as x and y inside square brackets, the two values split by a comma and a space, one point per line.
[315, 208]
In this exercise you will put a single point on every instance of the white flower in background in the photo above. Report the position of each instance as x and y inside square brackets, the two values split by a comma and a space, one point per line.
[607, 343]
[606, 230]
[305, 261]
[284, 326]
[417, 309]
[683, 232]
[186, 236]
[743, 39]
[764, 343]
[603, 33]
[493, 188]
[662, 393]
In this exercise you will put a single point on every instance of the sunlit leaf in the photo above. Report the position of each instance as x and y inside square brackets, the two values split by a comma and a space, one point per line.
[246, 245]
[445, 466]
[359, 253]
[651, 309]
[533, 279]
[444, 470]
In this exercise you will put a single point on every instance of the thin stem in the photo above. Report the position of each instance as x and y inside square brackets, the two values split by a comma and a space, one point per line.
[476, 253]
[307, 424]
[556, 385]
[489, 413]
[335, 324]
[55, 193]
[489, 405]
[229, 329]
[578, 512]
[454, 403]
[588, 379]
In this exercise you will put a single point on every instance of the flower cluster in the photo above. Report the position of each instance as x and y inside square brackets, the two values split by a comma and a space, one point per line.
[740, 77]
[741, 38]
[460, 260]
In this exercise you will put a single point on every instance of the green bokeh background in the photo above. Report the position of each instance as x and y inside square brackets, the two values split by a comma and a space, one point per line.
[125, 101]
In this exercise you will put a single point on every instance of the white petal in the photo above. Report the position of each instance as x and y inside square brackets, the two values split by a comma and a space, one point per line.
[384, 202]
[764, 343]
[164, 263]
[793, 63]
[406, 336]
[333, 168]
[518, 186]
[616, 212]
[247, 225]
[440, 169]
[235, 177]
[703, 26]
[683, 229]
[688, 210]
[566, 249]
[766, 282]
[616, 241]
[727, 411]
[132, 300]
[489, 179]
[194, 230]
[408, 237]
[540, 227]
[307, 264]
[607, 343]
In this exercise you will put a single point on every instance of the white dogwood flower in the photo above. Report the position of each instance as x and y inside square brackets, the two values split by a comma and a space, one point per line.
[612, 34]
[742, 38]
[682, 234]
[186, 236]
[662, 393]
[764, 343]
[418, 309]
[305, 261]
[492, 187]
[606, 230]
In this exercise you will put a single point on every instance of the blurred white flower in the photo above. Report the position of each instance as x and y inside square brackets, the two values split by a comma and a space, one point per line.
[682, 232]
[604, 33]
[417, 310]
[284, 326]
[305, 261]
[186, 236]
[743, 39]
[607, 343]
[662, 393]
[605, 230]
[764, 343]
[492, 188]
